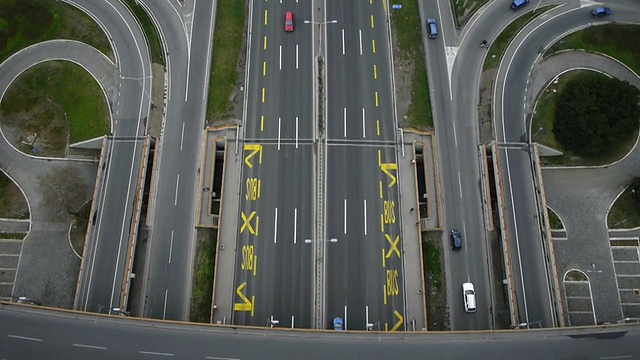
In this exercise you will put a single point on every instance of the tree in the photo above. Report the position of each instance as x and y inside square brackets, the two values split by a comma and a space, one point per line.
[63, 189]
[594, 112]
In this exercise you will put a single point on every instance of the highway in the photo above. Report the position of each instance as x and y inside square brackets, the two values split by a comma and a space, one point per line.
[102, 274]
[364, 280]
[169, 263]
[273, 271]
[455, 119]
[38, 333]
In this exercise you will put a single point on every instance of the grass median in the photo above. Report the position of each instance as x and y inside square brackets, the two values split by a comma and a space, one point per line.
[27, 22]
[618, 41]
[227, 45]
[149, 29]
[202, 292]
[500, 44]
[408, 36]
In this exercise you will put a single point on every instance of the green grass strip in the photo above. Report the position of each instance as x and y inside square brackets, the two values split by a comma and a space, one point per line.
[149, 29]
[406, 22]
[616, 40]
[203, 280]
[227, 44]
[27, 22]
[500, 44]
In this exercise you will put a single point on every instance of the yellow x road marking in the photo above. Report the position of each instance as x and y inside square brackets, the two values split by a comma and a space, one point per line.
[247, 223]
[394, 245]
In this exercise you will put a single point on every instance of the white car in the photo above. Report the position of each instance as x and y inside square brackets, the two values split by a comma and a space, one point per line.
[469, 297]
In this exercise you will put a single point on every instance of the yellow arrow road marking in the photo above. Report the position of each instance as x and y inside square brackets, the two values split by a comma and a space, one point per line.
[246, 304]
[254, 148]
[400, 320]
[385, 169]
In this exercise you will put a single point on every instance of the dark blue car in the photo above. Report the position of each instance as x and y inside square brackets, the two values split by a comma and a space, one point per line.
[456, 240]
[338, 324]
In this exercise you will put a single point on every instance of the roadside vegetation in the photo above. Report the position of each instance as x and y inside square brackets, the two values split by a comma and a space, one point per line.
[436, 297]
[618, 41]
[499, 45]
[26, 22]
[202, 292]
[57, 100]
[625, 212]
[149, 29]
[13, 204]
[408, 36]
[591, 118]
[227, 47]
[464, 10]
[554, 220]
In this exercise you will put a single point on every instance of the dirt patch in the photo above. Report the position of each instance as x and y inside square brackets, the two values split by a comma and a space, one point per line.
[13, 204]
[154, 124]
[79, 228]
[485, 126]
[404, 72]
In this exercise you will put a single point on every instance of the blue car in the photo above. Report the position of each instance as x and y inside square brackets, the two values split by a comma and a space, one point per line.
[601, 11]
[432, 28]
[517, 4]
[456, 240]
[338, 324]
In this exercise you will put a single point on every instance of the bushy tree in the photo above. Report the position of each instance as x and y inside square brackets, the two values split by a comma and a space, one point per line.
[594, 112]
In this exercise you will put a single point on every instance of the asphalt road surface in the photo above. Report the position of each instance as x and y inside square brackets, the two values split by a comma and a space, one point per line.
[37, 334]
[102, 277]
[364, 269]
[273, 276]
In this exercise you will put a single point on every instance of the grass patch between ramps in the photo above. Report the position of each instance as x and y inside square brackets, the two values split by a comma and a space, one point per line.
[202, 292]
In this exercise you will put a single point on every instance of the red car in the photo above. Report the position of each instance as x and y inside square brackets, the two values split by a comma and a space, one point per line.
[288, 21]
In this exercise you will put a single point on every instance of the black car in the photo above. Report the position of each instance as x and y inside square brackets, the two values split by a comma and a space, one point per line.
[456, 240]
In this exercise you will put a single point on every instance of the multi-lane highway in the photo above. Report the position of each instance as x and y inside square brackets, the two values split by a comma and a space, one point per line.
[364, 268]
[274, 262]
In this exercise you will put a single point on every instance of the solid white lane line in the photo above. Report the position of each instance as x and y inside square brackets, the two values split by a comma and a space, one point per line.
[171, 247]
[164, 309]
[464, 237]
[616, 357]
[175, 201]
[365, 216]
[360, 31]
[292, 321]
[182, 137]
[345, 216]
[366, 315]
[295, 225]
[459, 183]
[296, 56]
[280, 57]
[363, 125]
[296, 132]
[342, 41]
[345, 317]
[24, 338]
[90, 346]
[455, 134]
[279, 123]
[344, 113]
[155, 353]
[219, 358]
[275, 228]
